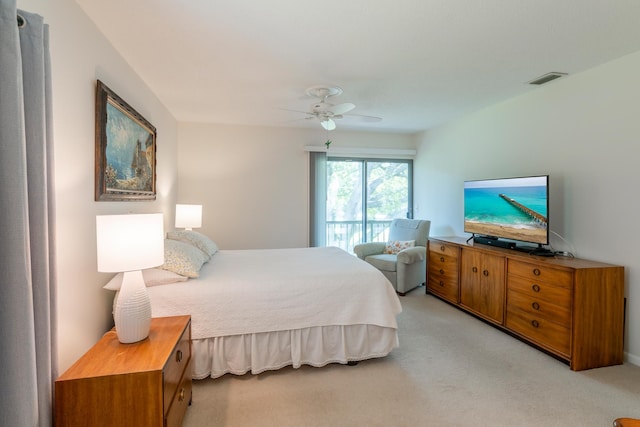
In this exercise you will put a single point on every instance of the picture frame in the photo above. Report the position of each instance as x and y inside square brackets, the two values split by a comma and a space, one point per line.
[125, 161]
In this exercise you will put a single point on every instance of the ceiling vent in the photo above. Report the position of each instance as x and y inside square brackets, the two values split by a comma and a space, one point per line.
[547, 78]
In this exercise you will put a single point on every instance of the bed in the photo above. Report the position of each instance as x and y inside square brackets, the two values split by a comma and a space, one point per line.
[258, 310]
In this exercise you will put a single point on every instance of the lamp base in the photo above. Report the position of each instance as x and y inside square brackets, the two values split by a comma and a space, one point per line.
[132, 309]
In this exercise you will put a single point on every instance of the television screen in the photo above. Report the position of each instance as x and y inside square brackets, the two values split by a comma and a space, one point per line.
[511, 208]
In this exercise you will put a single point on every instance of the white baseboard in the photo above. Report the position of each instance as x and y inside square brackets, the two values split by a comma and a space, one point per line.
[630, 358]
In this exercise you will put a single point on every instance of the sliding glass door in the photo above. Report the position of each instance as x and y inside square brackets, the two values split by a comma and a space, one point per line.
[363, 196]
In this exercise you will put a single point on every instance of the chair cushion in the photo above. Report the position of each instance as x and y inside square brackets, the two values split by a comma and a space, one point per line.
[395, 246]
[384, 262]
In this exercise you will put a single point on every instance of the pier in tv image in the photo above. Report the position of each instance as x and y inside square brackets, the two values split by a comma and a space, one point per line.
[511, 208]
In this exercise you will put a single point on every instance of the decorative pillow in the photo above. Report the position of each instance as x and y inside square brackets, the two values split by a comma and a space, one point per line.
[183, 258]
[151, 276]
[395, 246]
[196, 239]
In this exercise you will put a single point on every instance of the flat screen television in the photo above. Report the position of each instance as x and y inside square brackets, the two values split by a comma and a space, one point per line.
[509, 208]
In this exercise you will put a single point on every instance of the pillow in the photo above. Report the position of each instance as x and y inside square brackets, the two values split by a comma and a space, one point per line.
[182, 258]
[395, 246]
[151, 276]
[196, 239]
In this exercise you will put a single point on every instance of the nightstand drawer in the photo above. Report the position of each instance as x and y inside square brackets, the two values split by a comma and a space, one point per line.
[182, 400]
[176, 366]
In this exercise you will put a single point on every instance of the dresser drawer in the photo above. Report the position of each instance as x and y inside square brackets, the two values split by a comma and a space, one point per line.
[176, 366]
[443, 276]
[443, 265]
[443, 248]
[542, 291]
[536, 272]
[445, 287]
[540, 330]
[517, 301]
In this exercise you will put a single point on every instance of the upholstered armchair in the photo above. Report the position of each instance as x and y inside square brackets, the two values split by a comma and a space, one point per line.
[403, 259]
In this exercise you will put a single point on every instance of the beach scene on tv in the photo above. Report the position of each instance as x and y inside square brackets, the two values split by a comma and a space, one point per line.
[514, 208]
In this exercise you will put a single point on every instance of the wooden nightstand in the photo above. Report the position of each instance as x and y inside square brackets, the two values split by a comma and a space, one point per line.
[147, 383]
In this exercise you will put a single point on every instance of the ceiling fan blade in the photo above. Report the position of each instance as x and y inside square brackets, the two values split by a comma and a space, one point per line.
[299, 119]
[367, 119]
[328, 124]
[297, 111]
[341, 108]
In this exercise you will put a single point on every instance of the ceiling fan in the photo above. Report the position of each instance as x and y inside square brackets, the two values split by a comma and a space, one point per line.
[326, 112]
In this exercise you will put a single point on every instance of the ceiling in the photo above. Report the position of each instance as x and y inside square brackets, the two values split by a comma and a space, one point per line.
[414, 63]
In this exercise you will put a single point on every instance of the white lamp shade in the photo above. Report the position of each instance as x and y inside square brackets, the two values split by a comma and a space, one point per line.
[129, 242]
[188, 216]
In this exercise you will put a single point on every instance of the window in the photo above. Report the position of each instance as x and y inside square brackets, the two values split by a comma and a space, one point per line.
[361, 198]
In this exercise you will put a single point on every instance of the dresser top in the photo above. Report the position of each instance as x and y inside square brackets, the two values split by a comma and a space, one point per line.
[523, 256]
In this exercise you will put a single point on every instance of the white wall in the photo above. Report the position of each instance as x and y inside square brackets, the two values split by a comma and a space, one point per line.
[253, 182]
[583, 131]
[80, 55]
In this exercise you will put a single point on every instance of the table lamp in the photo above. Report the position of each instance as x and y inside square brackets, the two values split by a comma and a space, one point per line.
[129, 244]
[188, 216]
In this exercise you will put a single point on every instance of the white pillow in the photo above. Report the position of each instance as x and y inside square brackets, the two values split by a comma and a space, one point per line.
[182, 258]
[395, 246]
[199, 240]
[151, 276]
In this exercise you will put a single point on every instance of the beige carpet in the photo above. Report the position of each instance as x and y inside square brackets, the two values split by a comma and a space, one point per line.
[450, 370]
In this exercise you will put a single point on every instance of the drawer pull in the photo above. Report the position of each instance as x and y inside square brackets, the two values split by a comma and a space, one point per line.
[535, 306]
[485, 273]
[181, 395]
[536, 271]
[179, 356]
[442, 247]
[535, 323]
[441, 283]
[536, 288]
[474, 269]
[441, 271]
[441, 259]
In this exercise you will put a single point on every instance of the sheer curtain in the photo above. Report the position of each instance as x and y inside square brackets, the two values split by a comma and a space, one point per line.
[27, 256]
[317, 198]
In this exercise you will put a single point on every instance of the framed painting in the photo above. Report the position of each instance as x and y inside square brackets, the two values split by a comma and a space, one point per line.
[125, 150]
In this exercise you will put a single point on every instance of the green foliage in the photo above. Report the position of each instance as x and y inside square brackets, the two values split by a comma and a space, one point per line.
[387, 192]
[386, 189]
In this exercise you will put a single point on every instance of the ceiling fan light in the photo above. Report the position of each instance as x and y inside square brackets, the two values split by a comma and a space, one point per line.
[328, 124]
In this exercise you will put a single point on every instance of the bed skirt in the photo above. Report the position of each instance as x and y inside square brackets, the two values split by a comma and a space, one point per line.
[316, 346]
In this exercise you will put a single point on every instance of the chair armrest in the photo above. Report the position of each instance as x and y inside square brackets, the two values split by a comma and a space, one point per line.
[412, 255]
[363, 250]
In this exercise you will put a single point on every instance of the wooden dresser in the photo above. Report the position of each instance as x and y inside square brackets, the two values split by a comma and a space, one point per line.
[147, 383]
[568, 307]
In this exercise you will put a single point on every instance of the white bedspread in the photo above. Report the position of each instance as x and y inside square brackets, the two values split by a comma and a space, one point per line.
[251, 291]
